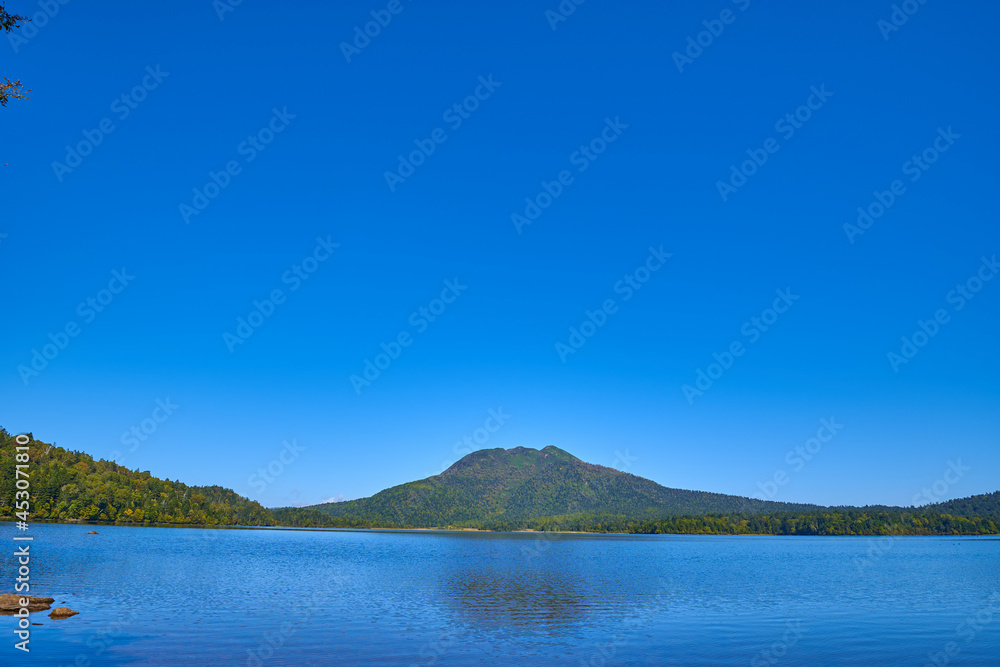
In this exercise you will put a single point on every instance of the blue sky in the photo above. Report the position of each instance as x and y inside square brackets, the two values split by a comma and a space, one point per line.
[248, 145]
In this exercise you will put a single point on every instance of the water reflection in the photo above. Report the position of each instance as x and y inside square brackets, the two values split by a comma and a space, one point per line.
[535, 582]
[497, 598]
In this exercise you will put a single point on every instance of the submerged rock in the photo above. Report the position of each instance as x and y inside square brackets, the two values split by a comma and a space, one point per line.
[11, 602]
[62, 612]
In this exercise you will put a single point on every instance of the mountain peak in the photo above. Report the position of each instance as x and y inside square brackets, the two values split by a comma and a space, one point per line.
[555, 451]
[515, 456]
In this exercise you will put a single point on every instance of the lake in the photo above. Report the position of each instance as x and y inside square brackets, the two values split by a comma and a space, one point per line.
[186, 596]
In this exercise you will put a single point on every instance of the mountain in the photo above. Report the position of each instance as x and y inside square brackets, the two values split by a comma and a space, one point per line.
[503, 487]
[551, 489]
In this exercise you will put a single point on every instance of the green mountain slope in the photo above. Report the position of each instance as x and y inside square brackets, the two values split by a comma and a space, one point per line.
[503, 487]
[68, 485]
[986, 506]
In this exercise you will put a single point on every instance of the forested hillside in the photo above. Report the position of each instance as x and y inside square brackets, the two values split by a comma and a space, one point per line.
[832, 521]
[72, 485]
[517, 489]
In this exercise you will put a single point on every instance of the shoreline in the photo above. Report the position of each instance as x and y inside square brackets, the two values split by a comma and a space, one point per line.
[523, 531]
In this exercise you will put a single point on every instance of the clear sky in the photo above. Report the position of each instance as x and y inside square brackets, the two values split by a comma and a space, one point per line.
[597, 163]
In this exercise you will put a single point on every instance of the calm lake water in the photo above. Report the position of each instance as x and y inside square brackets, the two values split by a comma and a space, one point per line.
[179, 596]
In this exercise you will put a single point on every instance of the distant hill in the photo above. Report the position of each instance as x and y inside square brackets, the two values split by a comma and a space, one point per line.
[491, 489]
[986, 506]
[550, 489]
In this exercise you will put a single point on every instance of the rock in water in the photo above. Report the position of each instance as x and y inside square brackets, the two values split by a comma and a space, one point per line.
[93, 532]
[11, 602]
[62, 612]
